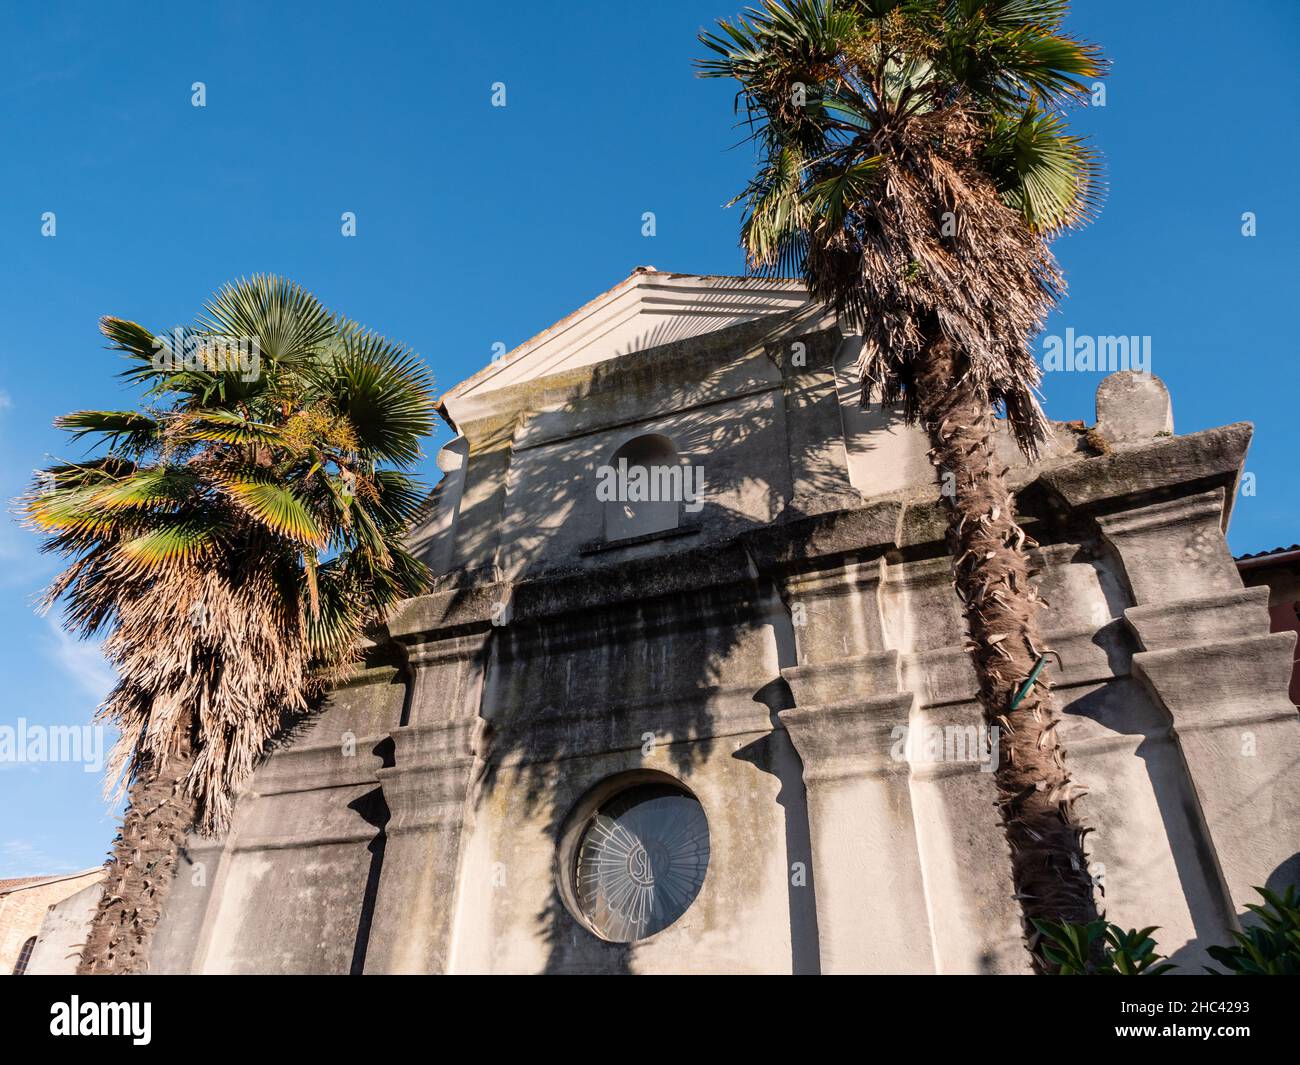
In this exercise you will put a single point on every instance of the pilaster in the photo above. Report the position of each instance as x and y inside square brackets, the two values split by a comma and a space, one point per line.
[1208, 659]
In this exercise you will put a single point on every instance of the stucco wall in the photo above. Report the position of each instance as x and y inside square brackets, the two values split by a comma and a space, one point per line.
[64, 931]
[23, 910]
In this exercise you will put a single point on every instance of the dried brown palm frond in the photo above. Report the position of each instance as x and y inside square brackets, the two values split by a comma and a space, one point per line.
[939, 247]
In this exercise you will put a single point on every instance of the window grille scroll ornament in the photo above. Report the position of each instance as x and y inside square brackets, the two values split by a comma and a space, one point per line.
[641, 862]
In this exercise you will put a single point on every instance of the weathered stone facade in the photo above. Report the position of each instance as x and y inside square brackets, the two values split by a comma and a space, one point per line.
[766, 651]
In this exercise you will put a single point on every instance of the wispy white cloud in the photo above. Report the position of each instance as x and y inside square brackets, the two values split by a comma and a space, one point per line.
[21, 563]
[82, 661]
[22, 857]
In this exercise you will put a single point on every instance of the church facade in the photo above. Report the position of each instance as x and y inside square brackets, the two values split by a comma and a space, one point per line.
[722, 720]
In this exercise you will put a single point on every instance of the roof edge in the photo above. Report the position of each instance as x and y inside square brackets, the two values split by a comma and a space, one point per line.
[596, 302]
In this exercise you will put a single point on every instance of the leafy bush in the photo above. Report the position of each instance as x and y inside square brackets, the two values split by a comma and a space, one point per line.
[1098, 949]
[1269, 949]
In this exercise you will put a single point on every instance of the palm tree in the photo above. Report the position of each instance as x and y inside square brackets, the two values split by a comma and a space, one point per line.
[234, 538]
[913, 167]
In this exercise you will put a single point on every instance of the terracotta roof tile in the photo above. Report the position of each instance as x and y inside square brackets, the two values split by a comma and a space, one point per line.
[1272, 551]
[19, 881]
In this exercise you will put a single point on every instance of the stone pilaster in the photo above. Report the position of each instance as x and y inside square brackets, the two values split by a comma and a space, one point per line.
[425, 791]
[1208, 659]
[446, 639]
[836, 618]
[871, 899]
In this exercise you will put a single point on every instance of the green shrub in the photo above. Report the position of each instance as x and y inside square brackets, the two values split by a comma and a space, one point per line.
[1268, 949]
[1098, 949]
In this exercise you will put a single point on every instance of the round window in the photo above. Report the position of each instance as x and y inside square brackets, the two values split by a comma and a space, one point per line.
[641, 861]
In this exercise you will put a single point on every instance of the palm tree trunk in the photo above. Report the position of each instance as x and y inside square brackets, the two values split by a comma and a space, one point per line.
[991, 572]
[140, 872]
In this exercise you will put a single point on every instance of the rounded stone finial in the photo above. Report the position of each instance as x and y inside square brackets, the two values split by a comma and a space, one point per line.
[1132, 405]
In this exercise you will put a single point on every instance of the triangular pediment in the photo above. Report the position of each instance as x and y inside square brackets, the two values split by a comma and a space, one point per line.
[647, 309]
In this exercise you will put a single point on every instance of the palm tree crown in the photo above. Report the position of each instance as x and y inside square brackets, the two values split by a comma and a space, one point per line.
[913, 165]
[236, 535]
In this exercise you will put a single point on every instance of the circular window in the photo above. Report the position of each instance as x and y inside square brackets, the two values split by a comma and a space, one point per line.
[640, 861]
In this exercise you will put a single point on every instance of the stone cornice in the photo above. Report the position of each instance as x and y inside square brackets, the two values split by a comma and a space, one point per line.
[1174, 465]
[1171, 467]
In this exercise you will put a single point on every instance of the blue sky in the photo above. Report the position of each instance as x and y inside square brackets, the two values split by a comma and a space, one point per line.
[478, 225]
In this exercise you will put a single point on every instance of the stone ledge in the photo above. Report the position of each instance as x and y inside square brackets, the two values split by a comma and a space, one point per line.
[456, 610]
[1201, 620]
[297, 767]
[662, 705]
[850, 739]
[844, 679]
[304, 840]
[596, 547]
[1195, 462]
[533, 745]
[641, 580]
[945, 676]
[364, 675]
[1225, 683]
[869, 529]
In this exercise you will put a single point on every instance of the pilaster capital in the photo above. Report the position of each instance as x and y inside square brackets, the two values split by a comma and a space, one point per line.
[851, 739]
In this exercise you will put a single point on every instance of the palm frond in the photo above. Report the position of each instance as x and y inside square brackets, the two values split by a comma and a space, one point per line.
[160, 486]
[274, 506]
[386, 393]
[124, 430]
[170, 543]
[227, 427]
[290, 326]
[777, 215]
[1052, 178]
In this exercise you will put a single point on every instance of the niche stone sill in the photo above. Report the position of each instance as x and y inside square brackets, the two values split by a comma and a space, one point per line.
[595, 547]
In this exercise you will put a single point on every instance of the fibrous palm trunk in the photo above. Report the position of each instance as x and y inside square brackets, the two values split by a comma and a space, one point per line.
[140, 872]
[991, 570]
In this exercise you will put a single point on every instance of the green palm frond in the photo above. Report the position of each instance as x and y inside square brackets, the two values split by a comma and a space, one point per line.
[777, 214]
[380, 583]
[227, 427]
[171, 543]
[290, 325]
[159, 362]
[124, 430]
[274, 506]
[85, 474]
[131, 338]
[1019, 14]
[161, 486]
[1052, 178]
[72, 510]
[137, 343]
[370, 536]
[400, 499]
[1008, 53]
[833, 196]
[386, 393]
